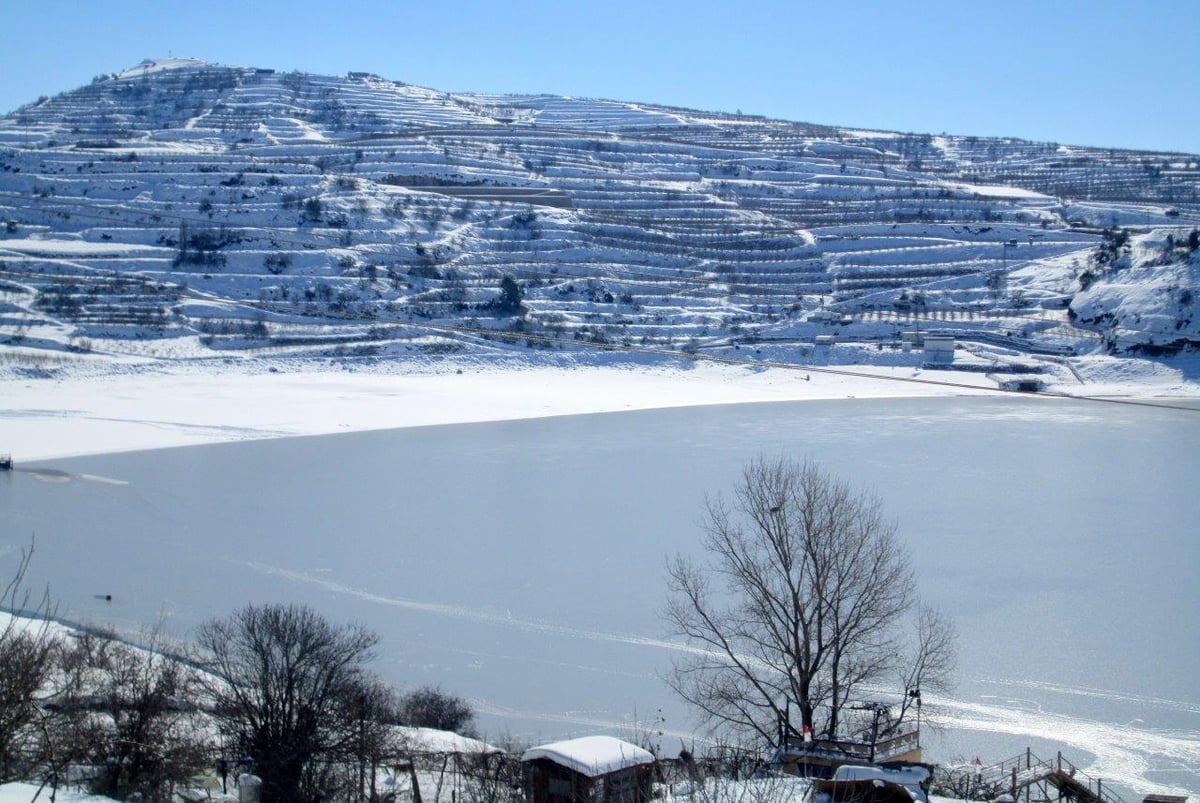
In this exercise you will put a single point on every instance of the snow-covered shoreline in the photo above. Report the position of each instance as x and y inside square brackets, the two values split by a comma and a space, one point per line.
[79, 413]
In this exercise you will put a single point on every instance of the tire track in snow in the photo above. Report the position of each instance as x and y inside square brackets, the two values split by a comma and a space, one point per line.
[1099, 694]
[471, 614]
[105, 480]
[544, 662]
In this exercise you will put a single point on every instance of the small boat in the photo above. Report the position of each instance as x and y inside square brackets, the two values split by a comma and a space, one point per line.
[6, 463]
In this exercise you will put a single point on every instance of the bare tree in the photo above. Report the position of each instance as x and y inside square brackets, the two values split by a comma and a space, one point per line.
[84, 699]
[139, 709]
[430, 707]
[41, 734]
[927, 664]
[799, 606]
[26, 662]
[290, 694]
[377, 740]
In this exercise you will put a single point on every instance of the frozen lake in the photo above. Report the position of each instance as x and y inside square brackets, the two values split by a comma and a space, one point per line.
[520, 564]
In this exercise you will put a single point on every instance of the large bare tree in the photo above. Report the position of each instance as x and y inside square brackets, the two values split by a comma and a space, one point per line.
[290, 695]
[800, 607]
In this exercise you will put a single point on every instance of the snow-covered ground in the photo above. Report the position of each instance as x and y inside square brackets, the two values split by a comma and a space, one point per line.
[90, 413]
[26, 792]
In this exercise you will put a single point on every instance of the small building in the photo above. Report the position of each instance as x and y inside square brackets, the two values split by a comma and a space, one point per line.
[939, 348]
[592, 769]
[445, 757]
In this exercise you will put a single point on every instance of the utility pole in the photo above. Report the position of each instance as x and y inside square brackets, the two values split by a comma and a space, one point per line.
[915, 694]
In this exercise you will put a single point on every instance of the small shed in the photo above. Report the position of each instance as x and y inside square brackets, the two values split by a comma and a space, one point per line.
[939, 348]
[445, 758]
[592, 769]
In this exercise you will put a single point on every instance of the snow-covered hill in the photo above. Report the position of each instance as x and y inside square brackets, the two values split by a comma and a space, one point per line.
[1142, 293]
[180, 210]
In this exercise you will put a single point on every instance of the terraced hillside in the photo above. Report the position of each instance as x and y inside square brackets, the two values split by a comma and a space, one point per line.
[187, 210]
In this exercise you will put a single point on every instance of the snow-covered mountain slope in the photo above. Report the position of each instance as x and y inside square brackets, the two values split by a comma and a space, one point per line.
[1141, 293]
[181, 210]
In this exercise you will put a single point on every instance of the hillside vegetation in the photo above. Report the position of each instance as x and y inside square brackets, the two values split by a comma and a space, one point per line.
[182, 210]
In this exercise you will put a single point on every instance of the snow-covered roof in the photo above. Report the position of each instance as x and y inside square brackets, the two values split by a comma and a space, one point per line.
[591, 755]
[431, 740]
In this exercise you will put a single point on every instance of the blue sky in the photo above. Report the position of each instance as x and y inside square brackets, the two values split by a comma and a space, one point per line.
[1104, 73]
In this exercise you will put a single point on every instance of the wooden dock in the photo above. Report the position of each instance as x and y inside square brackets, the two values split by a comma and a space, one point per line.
[1030, 776]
